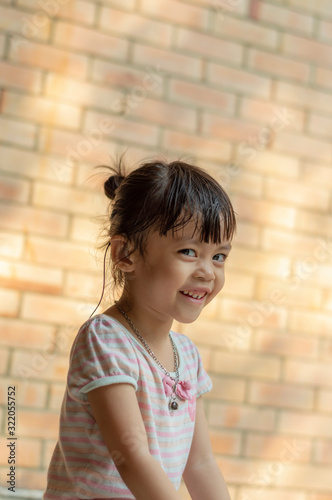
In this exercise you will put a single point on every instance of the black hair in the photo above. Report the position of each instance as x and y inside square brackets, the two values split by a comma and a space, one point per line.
[164, 196]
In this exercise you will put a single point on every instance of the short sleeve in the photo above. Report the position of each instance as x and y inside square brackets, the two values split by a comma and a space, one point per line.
[204, 383]
[102, 354]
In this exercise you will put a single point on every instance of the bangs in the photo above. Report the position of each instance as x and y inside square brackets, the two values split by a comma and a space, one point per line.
[197, 198]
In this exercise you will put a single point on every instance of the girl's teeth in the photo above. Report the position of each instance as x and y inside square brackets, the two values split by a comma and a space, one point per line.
[192, 295]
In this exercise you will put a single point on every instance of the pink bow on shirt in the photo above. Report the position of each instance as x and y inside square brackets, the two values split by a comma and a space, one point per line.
[182, 388]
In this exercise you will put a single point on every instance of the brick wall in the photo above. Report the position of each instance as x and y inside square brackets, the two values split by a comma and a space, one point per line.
[245, 89]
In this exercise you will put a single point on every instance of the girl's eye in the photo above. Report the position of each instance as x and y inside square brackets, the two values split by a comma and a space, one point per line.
[187, 251]
[221, 257]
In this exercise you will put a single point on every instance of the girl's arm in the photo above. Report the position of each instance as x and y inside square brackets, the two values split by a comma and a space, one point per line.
[117, 413]
[202, 476]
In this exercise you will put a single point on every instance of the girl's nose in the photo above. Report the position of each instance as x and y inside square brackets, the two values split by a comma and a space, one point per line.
[204, 271]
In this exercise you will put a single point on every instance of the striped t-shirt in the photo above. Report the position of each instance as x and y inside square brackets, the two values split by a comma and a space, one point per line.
[105, 352]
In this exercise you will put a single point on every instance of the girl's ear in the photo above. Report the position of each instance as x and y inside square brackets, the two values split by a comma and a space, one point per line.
[121, 253]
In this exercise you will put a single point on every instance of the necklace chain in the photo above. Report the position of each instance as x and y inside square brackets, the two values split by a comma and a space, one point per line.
[149, 350]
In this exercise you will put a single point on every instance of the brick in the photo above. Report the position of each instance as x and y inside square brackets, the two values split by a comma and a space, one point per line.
[240, 417]
[168, 62]
[74, 148]
[239, 284]
[254, 366]
[319, 175]
[246, 234]
[4, 359]
[73, 199]
[126, 78]
[227, 389]
[269, 447]
[222, 9]
[322, 7]
[318, 496]
[280, 66]
[323, 452]
[214, 332]
[9, 303]
[195, 94]
[17, 132]
[323, 77]
[263, 212]
[209, 46]
[225, 443]
[305, 424]
[14, 189]
[22, 276]
[38, 221]
[30, 165]
[273, 494]
[278, 342]
[303, 96]
[277, 164]
[31, 479]
[2, 45]
[325, 30]
[123, 128]
[247, 260]
[307, 49]
[313, 223]
[82, 285]
[197, 145]
[90, 41]
[254, 314]
[316, 374]
[32, 424]
[290, 293]
[66, 254]
[320, 125]
[41, 110]
[285, 18]
[11, 244]
[176, 12]
[57, 310]
[298, 194]
[83, 228]
[32, 394]
[39, 365]
[314, 323]
[166, 113]
[18, 333]
[30, 451]
[51, 58]
[239, 81]
[277, 118]
[116, 21]
[295, 244]
[227, 128]
[326, 344]
[325, 400]
[249, 32]
[124, 4]
[281, 395]
[12, 75]
[304, 146]
[80, 11]
[25, 25]
[57, 392]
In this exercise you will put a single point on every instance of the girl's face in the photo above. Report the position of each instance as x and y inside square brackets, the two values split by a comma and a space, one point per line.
[179, 275]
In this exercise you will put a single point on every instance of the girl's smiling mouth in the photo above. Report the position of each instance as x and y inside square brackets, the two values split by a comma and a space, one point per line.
[195, 294]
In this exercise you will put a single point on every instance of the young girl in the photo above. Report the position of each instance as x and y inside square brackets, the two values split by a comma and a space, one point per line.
[132, 421]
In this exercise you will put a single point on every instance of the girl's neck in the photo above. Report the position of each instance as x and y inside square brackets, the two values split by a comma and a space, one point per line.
[153, 330]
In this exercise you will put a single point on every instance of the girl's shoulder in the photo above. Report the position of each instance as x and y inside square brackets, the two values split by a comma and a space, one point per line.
[186, 344]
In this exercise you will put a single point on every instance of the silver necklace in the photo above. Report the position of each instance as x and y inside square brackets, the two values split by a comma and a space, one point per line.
[173, 404]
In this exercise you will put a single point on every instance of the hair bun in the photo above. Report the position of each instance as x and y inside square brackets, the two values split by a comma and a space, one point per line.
[111, 185]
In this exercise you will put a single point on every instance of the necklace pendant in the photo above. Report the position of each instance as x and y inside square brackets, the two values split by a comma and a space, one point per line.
[173, 405]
